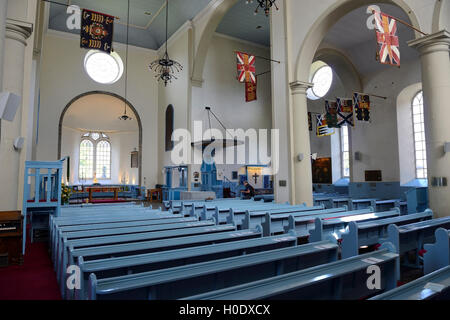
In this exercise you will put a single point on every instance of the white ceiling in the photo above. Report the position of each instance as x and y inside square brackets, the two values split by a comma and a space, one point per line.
[99, 112]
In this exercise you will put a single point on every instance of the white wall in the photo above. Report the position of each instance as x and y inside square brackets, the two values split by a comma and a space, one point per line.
[226, 95]
[63, 78]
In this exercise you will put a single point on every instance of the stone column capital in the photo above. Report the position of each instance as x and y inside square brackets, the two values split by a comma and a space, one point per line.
[18, 31]
[436, 42]
[300, 87]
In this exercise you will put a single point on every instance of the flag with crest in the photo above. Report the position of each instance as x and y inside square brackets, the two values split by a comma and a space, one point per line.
[96, 31]
[322, 127]
[346, 116]
[361, 105]
[246, 67]
[331, 114]
[387, 39]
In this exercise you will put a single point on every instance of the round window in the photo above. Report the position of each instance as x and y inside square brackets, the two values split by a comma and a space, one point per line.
[102, 67]
[322, 80]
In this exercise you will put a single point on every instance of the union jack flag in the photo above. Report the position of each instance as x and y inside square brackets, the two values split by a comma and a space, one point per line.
[387, 39]
[246, 67]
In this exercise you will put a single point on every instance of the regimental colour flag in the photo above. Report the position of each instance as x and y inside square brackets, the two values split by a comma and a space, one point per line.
[250, 91]
[322, 127]
[387, 39]
[331, 114]
[346, 116]
[96, 31]
[246, 67]
[361, 104]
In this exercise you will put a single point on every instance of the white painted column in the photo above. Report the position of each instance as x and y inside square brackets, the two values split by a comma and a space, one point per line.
[435, 59]
[301, 144]
[13, 77]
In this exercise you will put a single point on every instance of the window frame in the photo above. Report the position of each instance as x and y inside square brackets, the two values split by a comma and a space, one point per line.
[416, 169]
[343, 175]
[102, 137]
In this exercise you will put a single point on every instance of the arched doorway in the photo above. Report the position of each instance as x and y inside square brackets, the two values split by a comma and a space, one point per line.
[98, 112]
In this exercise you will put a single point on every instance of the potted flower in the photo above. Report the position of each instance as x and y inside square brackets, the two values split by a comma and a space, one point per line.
[66, 192]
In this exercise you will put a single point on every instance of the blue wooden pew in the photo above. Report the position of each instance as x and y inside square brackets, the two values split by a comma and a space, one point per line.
[340, 280]
[333, 229]
[385, 205]
[137, 248]
[144, 219]
[302, 225]
[121, 266]
[183, 281]
[62, 257]
[68, 236]
[413, 236]
[341, 202]
[245, 219]
[434, 286]
[363, 203]
[221, 214]
[437, 255]
[360, 234]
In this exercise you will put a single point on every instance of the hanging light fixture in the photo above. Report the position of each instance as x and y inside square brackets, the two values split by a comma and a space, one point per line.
[165, 68]
[266, 5]
[125, 117]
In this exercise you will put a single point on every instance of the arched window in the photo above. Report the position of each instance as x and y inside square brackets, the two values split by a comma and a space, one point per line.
[419, 136]
[169, 127]
[95, 153]
[103, 159]
[86, 167]
[345, 150]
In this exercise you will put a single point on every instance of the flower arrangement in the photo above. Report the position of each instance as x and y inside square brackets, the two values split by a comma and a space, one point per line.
[66, 192]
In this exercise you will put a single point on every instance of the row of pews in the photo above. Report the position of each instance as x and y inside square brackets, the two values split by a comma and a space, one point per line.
[243, 249]
[338, 200]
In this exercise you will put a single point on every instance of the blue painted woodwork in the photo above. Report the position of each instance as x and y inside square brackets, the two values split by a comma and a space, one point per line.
[438, 253]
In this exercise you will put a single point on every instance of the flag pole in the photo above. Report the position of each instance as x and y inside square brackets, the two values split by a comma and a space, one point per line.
[403, 22]
[371, 95]
[262, 57]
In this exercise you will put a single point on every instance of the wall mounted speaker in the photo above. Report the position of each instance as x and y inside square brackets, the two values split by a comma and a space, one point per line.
[300, 157]
[447, 147]
[18, 143]
[9, 103]
[358, 156]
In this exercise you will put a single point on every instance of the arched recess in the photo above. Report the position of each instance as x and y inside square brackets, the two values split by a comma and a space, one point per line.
[341, 65]
[441, 16]
[138, 119]
[169, 121]
[324, 23]
[205, 40]
[406, 132]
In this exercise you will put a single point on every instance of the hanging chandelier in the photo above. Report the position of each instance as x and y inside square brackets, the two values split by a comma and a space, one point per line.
[264, 4]
[165, 68]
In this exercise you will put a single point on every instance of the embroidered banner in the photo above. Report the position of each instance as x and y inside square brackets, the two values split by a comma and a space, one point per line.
[331, 114]
[322, 128]
[310, 126]
[361, 104]
[96, 31]
[250, 91]
[387, 39]
[346, 116]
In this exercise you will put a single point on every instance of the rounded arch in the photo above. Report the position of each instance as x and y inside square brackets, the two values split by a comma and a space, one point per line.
[128, 103]
[341, 64]
[324, 23]
[441, 16]
[205, 39]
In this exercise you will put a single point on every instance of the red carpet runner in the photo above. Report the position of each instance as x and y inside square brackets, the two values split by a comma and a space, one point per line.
[34, 280]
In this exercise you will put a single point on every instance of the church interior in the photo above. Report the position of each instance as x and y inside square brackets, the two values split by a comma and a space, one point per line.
[127, 175]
